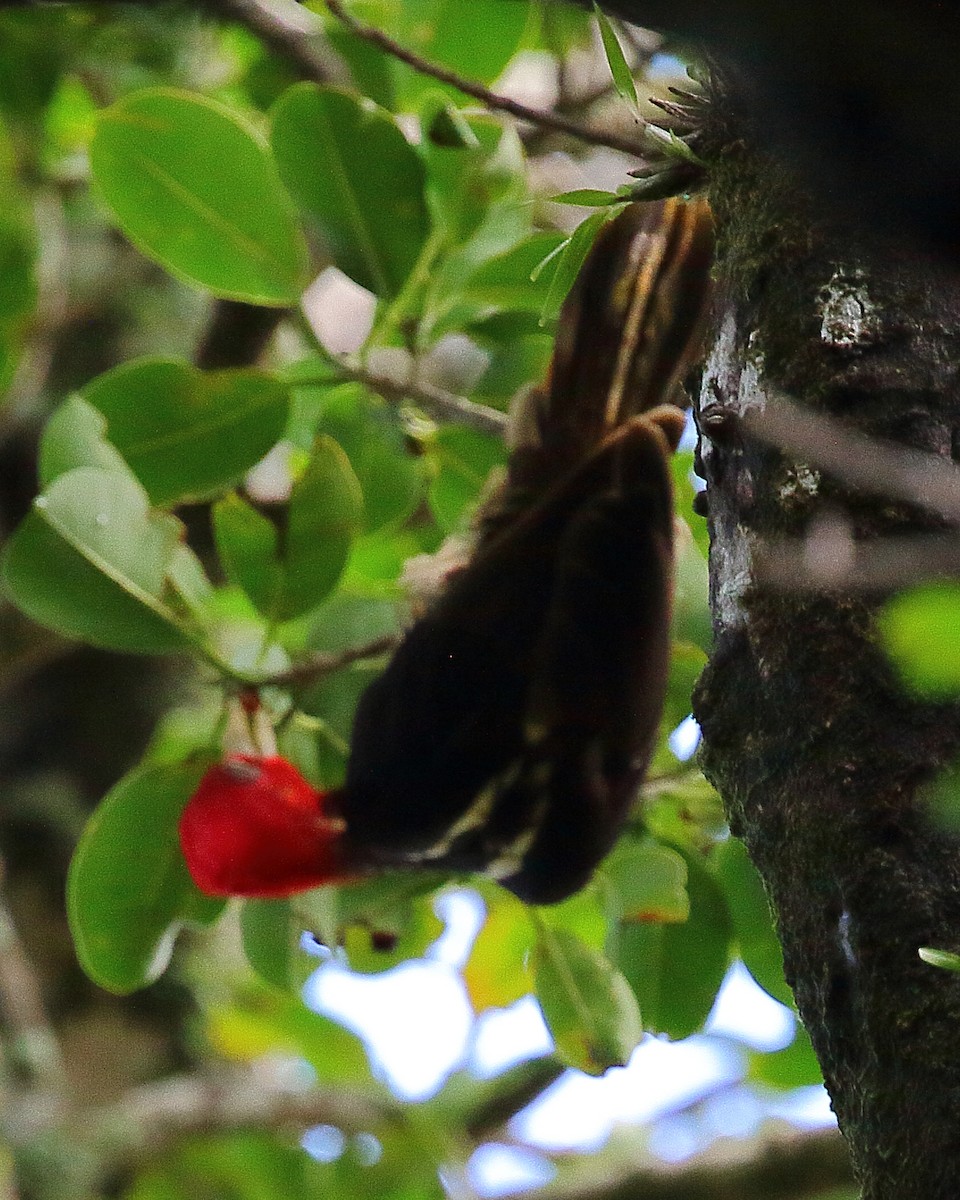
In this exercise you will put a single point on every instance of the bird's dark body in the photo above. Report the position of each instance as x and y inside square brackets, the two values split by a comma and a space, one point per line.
[539, 675]
[511, 730]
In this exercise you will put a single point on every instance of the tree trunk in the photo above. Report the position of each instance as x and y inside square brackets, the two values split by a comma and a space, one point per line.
[818, 751]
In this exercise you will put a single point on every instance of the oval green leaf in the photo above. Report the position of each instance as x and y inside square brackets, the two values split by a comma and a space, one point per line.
[351, 168]
[497, 972]
[128, 891]
[371, 437]
[187, 434]
[446, 32]
[248, 544]
[326, 514]
[76, 436]
[286, 575]
[794, 1066]
[91, 561]
[752, 919]
[587, 198]
[676, 970]
[649, 882]
[464, 459]
[587, 1004]
[195, 189]
[271, 943]
[945, 959]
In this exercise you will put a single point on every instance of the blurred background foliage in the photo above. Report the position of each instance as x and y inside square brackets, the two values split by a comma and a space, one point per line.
[383, 251]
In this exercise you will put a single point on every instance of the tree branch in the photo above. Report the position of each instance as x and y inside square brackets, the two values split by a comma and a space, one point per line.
[320, 665]
[290, 40]
[544, 120]
[146, 1121]
[437, 402]
[785, 1167]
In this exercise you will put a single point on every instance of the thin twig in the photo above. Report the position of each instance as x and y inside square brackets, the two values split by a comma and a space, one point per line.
[435, 401]
[291, 41]
[545, 120]
[879, 468]
[320, 665]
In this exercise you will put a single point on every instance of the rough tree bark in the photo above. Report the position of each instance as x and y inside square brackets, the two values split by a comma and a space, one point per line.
[819, 753]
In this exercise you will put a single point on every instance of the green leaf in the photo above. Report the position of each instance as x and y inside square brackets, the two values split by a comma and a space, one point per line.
[649, 882]
[326, 513]
[261, 1020]
[681, 467]
[585, 914]
[519, 359]
[91, 561]
[190, 583]
[369, 433]
[920, 630]
[588, 198]
[506, 281]
[940, 958]
[128, 891]
[940, 796]
[752, 919]
[195, 189]
[619, 70]
[587, 1004]
[684, 808]
[464, 183]
[374, 72]
[451, 129]
[380, 922]
[446, 32]
[32, 57]
[332, 703]
[187, 434]
[286, 572]
[344, 620]
[497, 972]
[271, 943]
[464, 459]
[248, 544]
[412, 929]
[76, 436]
[569, 262]
[18, 249]
[676, 970]
[348, 164]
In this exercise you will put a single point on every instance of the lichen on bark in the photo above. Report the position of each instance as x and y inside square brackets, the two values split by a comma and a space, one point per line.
[820, 754]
